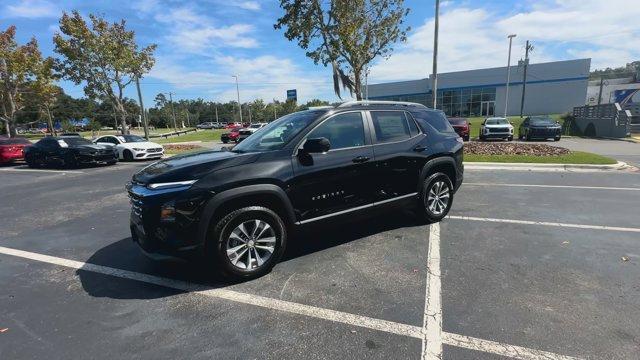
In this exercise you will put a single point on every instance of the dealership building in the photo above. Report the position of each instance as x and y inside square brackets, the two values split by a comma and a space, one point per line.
[551, 88]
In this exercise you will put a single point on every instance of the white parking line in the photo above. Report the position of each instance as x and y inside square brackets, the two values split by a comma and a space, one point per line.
[432, 323]
[555, 186]
[296, 308]
[546, 223]
[41, 170]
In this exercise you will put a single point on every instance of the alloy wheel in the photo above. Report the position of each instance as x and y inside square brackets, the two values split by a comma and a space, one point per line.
[438, 198]
[251, 244]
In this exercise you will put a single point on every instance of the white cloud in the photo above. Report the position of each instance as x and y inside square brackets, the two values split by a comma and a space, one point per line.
[249, 5]
[472, 38]
[32, 9]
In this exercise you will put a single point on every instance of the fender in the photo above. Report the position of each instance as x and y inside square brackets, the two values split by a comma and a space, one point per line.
[260, 189]
[441, 160]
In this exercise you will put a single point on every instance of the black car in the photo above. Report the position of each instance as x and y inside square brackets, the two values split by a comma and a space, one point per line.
[68, 151]
[540, 127]
[237, 207]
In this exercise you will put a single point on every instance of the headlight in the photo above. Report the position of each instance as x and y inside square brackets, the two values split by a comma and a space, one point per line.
[168, 185]
[137, 149]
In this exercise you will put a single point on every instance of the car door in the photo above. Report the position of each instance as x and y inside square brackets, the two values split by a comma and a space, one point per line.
[338, 180]
[51, 151]
[397, 150]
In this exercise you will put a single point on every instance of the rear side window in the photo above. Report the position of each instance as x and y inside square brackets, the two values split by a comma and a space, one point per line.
[343, 131]
[434, 119]
[390, 126]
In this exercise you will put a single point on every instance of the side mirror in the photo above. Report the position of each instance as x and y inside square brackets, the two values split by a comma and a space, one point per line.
[316, 145]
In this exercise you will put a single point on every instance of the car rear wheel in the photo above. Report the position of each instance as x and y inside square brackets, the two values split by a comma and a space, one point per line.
[225, 141]
[248, 242]
[557, 138]
[436, 197]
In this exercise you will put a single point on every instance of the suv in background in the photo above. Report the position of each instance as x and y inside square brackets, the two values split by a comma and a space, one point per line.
[496, 128]
[461, 126]
[236, 208]
[540, 127]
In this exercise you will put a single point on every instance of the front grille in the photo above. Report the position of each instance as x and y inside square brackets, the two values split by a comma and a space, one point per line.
[498, 130]
[154, 150]
[136, 204]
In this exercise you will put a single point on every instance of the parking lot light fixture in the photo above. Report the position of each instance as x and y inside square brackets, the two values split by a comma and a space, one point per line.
[506, 96]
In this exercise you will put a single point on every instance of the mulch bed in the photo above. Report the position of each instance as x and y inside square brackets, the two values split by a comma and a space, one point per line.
[182, 147]
[496, 148]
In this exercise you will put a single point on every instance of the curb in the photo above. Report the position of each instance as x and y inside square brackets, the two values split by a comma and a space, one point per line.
[546, 167]
[184, 143]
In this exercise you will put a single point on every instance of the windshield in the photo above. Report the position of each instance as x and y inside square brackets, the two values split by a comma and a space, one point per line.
[542, 121]
[73, 140]
[131, 138]
[497, 121]
[278, 133]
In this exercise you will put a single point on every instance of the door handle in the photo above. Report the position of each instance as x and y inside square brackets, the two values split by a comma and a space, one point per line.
[360, 159]
[419, 148]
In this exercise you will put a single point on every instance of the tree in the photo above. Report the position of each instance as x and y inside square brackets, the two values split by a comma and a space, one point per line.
[104, 56]
[45, 92]
[18, 67]
[347, 34]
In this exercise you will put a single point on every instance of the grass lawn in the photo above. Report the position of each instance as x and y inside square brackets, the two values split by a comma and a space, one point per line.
[476, 121]
[201, 135]
[575, 157]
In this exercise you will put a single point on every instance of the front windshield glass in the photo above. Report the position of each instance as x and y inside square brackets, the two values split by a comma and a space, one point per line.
[542, 121]
[278, 133]
[131, 138]
[497, 121]
[74, 140]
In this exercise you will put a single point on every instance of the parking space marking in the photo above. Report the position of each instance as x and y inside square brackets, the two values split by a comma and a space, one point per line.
[546, 223]
[297, 308]
[432, 323]
[42, 170]
[516, 352]
[555, 186]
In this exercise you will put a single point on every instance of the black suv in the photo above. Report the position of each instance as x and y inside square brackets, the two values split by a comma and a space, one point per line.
[237, 207]
[540, 127]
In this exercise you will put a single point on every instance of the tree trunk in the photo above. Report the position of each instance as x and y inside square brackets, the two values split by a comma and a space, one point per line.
[357, 83]
[123, 116]
[50, 122]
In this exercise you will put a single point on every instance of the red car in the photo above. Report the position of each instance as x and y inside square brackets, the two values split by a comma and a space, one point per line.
[230, 136]
[234, 125]
[461, 126]
[12, 149]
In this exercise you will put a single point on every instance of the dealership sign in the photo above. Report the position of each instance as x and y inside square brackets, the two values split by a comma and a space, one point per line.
[292, 95]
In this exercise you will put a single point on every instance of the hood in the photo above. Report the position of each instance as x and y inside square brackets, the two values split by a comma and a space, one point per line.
[191, 166]
[498, 125]
[141, 145]
[90, 147]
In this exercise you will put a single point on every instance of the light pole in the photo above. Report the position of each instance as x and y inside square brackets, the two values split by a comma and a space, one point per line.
[506, 95]
[434, 88]
[238, 92]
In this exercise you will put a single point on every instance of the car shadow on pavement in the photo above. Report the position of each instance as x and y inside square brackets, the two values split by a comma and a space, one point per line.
[124, 255]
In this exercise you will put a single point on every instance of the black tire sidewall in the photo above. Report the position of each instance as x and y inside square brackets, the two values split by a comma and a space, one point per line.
[127, 155]
[426, 185]
[223, 228]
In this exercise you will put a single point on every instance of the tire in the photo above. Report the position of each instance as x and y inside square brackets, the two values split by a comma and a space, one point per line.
[520, 137]
[227, 232]
[510, 138]
[466, 138]
[430, 186]
[225, 141]
[32, 163]
[481, 138]
[557, 138]
[127, 155]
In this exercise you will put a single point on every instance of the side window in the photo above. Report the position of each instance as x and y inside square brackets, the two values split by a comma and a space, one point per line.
[112, 140]
[342, 131]
[434, 119]
[390, 126]
[413, 128]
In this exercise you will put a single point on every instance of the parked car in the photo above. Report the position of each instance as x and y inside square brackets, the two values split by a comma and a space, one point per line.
[12, 149]
[234, 125]
[68, 151]
[235, 208]
[461, 126]
[205, 125]
[540, 127]
[219, 125]
[230, 136]
[71, 134]
[246, 132]
[132, 147]
[496, 128]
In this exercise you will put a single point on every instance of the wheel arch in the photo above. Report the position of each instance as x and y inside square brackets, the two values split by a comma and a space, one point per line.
[267, 195]
[444, 164]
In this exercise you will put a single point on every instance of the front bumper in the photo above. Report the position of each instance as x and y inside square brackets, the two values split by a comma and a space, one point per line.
[97, 158]
[544, 133]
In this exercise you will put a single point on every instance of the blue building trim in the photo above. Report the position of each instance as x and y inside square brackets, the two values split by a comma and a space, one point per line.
[489, 85]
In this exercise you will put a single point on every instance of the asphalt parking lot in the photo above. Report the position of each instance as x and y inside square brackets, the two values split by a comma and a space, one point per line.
[550, 271]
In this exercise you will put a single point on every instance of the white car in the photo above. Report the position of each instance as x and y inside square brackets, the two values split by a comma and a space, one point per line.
[132, 147]
[246, 132]
[496, 128]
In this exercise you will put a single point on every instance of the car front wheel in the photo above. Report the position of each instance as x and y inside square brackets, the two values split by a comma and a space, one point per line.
[248, 242]
[436, 197]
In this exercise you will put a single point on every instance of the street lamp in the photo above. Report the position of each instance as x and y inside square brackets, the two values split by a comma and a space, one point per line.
[506, 96]
[238, 92]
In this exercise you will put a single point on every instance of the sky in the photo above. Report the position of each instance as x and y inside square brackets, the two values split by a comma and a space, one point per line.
[201, 44]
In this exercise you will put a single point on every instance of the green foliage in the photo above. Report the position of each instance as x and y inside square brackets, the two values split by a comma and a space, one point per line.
[346, 34]
[103, 56]
[67, 126]
[631, 69]
[19, 65]
[575, 157]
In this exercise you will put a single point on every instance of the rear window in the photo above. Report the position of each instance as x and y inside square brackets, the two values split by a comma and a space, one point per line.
[457, 121]
[14, 141]
[434, 119]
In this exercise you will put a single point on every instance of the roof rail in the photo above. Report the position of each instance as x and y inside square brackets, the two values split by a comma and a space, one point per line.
[380, 102]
